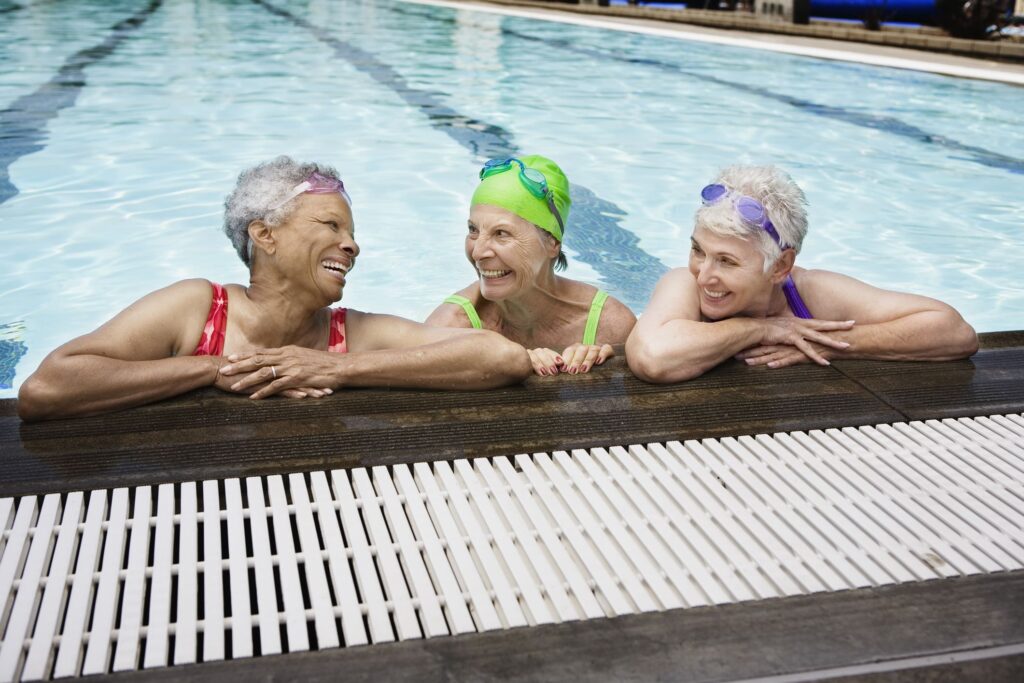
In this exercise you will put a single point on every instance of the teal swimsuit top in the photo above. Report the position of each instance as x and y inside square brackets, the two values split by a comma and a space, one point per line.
[589, 332]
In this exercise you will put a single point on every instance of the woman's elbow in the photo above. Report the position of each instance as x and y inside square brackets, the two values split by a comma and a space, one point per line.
[968, 340]
[649, 363]
[959, 340]
[507, 361]
[517, 361]
[35, 399]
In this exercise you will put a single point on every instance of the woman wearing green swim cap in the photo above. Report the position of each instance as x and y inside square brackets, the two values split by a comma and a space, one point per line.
[517, 219]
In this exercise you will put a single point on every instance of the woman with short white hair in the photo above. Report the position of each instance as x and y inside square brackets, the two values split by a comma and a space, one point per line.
[742, 296]
[291, 224]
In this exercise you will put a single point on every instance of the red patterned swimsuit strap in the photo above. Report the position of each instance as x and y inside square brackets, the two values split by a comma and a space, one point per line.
[211, 343]
[337, 343]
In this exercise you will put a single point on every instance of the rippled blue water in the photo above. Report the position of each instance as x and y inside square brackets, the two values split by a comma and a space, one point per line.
[124, 122]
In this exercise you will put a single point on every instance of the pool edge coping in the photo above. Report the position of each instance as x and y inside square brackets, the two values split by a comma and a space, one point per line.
[765, 35]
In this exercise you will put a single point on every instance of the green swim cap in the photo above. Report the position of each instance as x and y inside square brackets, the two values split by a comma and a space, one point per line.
[505, 190]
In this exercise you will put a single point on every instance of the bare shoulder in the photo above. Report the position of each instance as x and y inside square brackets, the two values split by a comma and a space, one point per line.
[454, 315]
[678, 281]
[834, 296]
[162, 323]
[617, 321]
[180, 295]
[675, 296]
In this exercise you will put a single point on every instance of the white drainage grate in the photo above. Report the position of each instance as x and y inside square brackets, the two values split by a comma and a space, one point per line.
[100, 582]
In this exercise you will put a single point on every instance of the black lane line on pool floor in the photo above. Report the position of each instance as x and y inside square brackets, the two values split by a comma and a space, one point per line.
[626, 270]
[23, 123]
[885, 124]
[6, 7]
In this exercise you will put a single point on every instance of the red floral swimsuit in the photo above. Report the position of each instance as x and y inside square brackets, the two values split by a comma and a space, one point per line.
[212, 341]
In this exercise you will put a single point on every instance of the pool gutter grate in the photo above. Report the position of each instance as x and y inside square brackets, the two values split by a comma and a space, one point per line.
[111, 580]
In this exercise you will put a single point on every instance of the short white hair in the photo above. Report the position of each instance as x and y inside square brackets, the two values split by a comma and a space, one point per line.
[782, 198]
[258, 189]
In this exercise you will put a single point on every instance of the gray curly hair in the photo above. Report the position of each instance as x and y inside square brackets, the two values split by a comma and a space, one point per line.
[258, 189]
[782, 199]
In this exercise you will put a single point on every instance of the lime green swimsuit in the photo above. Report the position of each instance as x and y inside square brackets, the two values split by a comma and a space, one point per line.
[589, 333]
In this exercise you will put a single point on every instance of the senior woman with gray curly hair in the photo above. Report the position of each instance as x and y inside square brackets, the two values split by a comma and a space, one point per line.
[292, 225]
[741, 295]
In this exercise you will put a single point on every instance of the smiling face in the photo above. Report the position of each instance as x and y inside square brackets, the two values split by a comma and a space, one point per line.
[508, 252]
[317, 242]
[730, 275]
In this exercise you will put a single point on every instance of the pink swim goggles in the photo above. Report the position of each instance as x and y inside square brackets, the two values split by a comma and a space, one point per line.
[315, 184]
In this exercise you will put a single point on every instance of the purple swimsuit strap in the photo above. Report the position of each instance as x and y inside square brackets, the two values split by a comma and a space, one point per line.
[796, 303]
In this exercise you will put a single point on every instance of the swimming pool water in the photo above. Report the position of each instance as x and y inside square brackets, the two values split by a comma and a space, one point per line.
[123, 124]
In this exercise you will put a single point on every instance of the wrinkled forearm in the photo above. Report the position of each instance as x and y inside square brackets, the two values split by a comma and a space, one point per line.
[77, 385]
[680, 350]
[926, 335]
[472, 360]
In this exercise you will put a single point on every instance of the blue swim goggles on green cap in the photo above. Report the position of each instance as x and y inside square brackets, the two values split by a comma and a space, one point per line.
[532, 179]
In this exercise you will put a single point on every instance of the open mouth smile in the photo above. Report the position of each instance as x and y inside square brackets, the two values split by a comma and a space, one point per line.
[492, 274]
[337, 269]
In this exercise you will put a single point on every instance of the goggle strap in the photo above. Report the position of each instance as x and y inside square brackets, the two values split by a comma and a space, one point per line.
[533, 186]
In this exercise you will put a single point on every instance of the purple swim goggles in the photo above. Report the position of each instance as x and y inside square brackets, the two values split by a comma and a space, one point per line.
[315, 184]
[752, 212]
[749, 209]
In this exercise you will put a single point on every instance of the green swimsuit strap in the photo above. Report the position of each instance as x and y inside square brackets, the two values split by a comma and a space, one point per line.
[590, 332]
[467, 306]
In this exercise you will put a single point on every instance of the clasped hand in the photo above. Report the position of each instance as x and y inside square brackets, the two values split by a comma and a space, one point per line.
[575, 359]
[788, 341]
[291, 371]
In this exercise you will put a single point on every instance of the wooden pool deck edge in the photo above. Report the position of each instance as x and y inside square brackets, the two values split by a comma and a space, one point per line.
[208, 434]
[969, 628]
